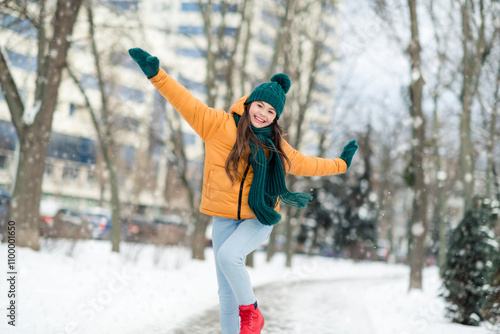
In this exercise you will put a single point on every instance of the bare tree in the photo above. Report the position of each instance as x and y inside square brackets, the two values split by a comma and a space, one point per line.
[108, 145]
[476, 46]
[418, 222]
[441, 84]
[492, 136]
[33, 124]
[304, 63]
[103, 129]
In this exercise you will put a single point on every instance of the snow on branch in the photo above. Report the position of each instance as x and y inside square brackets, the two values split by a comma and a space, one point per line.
[29, 114]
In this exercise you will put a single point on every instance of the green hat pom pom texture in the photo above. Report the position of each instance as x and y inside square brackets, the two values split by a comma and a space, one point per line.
[272, 92]
[283, 80]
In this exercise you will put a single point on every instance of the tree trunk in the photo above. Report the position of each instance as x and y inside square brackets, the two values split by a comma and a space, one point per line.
[271, 247]
[198, 241]
[294, 217]
[34, 134]
[471, 63]
[418, 221]
[111, 165]
[490, 148]
[107, 141]
[440, 177]
[246, 49]
[28, 188]
[439, 201]
[283, 35]
[231, 63]
[290, 224]
[249, 261]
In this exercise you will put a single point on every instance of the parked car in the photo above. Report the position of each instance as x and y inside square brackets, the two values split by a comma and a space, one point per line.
[139, 229]
[48, 210]
[68, 223]
[4, 209]
[170, 230]
[100, 221]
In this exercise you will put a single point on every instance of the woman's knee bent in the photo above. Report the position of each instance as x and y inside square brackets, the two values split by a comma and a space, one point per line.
[228, 258]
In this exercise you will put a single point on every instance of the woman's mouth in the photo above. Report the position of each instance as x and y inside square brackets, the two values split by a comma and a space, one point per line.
[260, 120]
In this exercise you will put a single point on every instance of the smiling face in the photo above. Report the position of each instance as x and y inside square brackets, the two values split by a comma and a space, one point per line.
[261, 114]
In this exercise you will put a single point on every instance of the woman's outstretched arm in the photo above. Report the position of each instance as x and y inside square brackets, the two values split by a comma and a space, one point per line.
[302, 165]
[203, 119]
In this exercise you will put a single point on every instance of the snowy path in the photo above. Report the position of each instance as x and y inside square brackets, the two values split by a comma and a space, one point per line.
[84, 288]
[324, 306]
[357, 305]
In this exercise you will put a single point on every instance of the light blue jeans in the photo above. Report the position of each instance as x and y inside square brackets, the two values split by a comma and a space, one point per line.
[232, 241]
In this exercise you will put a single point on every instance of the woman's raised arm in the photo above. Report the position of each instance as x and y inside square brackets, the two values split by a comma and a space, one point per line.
[203, 119]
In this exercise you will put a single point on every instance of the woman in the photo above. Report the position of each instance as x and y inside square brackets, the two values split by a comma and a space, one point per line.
[246, 159]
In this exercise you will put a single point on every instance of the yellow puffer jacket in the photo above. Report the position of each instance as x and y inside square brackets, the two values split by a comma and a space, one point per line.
[217, 129]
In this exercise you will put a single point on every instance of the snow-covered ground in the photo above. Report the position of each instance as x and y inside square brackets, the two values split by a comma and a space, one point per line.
[146, 289]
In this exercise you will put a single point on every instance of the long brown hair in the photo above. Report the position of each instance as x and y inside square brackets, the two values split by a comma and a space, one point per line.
[241, 148]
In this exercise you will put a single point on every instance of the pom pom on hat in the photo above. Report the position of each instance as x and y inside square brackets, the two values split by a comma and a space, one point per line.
[272, 92]
[283, 80]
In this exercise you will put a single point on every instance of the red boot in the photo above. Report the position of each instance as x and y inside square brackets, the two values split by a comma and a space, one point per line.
[252, 320]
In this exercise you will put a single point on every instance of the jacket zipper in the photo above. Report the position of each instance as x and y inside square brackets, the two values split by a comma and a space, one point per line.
[241, 190]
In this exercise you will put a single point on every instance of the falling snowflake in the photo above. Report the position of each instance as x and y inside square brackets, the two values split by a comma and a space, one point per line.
[417, 229]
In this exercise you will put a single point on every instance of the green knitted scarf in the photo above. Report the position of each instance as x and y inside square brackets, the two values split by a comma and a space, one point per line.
[268, 185]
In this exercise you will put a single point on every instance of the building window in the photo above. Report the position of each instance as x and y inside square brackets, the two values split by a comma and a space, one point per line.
[72, 108]
[199, 30]
[230, 8]
[70, 172]
[131, 94]
[192, 53]
[22, 61]
[22, 26]
[216, 8]
[72, 148]
[49, 169]
[190, 7]
[8, 136]
[228, 31]
[91, 174]
[122, 6]
[191, 30]
[3, 162]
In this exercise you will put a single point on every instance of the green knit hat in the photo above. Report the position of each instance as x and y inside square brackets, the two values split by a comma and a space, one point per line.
[272, 92]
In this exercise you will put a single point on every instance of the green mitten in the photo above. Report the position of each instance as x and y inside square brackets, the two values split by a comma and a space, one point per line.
[149, 64]
[348, 152]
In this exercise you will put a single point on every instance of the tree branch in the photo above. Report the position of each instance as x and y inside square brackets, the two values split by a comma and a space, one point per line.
[11, 94]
